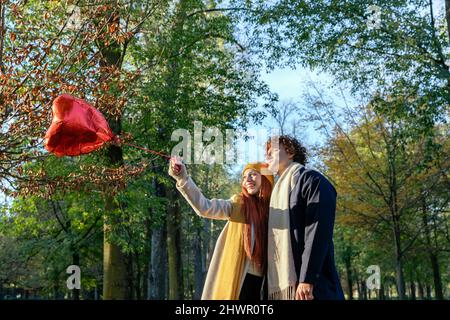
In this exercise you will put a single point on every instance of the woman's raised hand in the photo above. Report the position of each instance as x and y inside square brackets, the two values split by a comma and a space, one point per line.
[177, 169]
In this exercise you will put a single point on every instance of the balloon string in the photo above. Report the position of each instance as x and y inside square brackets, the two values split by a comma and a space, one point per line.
[147, 150]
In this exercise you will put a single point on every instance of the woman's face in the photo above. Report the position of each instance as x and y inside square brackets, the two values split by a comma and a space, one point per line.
[251, 181]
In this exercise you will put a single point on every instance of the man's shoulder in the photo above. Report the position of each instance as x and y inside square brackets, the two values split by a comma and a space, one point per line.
[309, 176]
[306, 173]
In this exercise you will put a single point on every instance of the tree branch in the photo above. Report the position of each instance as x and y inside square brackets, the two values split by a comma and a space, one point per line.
[2, 34]
[218, 9]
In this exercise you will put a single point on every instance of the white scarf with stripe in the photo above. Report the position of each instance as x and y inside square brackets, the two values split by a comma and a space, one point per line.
[281, 275]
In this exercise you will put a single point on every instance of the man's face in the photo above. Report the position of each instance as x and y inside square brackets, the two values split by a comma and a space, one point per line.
[277, 158]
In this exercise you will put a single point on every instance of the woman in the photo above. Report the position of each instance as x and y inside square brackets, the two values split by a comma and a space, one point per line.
[239, 260]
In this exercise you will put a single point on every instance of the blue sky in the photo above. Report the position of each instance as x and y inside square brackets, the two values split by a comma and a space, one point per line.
[291, 84]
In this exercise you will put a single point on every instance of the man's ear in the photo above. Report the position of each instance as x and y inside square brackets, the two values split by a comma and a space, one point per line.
[290, 156]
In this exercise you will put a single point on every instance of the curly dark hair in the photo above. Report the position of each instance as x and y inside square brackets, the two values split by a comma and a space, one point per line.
[292, 146]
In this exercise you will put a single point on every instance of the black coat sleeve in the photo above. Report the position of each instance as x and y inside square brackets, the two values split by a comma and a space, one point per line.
[319, 198]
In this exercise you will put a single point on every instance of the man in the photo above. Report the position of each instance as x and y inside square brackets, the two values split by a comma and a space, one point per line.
[301, 219]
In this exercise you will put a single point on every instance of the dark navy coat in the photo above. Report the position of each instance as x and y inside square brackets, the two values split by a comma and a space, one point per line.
[312, 206]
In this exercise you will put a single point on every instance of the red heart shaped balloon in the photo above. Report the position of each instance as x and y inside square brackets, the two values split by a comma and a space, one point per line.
[77, 128]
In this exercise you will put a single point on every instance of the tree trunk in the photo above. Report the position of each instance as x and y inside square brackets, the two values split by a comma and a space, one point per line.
[138, 287]
[364, 289]
[2, 35]
[158, 260]
[349, 277]
[172, 83]
[157, 285]
[431, 253]
[147, 253]
[114, 269]
[130, 267]
[395, 216]
[179, 255]
[439, 295]
[358, 288]
[447, 17]
[399, 263]
[412, 290]
[382, 292]
[56, 290]
[173, 248]
[115, 275]
[138, 280]
[420, 289]
[428, 288]
[199, 266]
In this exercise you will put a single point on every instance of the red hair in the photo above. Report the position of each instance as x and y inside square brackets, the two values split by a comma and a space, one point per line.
[256, 213]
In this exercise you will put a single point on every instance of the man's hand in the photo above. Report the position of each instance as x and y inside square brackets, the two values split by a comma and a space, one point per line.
[304, 291]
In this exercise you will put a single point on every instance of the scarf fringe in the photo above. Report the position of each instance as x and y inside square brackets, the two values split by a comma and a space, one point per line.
[285, 294]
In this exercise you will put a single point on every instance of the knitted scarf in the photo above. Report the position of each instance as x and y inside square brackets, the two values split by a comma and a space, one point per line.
[226, 270]
[281, 275]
